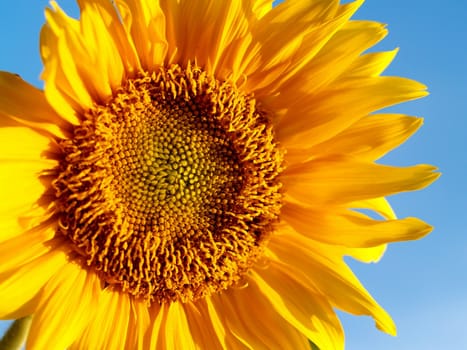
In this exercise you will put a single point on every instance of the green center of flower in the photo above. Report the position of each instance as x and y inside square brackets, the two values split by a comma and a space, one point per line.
[170, 190]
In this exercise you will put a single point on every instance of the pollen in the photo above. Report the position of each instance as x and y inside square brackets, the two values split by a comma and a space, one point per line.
[170, 189]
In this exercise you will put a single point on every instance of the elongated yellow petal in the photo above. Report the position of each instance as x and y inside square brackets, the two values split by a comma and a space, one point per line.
[315, 118]
[317, 265]
[22, 103]
[138, 326]
[121, 57]
[207, 326]
[369, 138]
[74, 53]
[336, 56]
[370, 64]
[159, 317]
[240, 309]
[26, 247]
[146, 23]
[104, 332]
[221, 26]
[262, 7]
[169, 324]
[378, 205]
[68, 98]
[19, 290]
[336, 180]
[351, 229]
[23, 158]
[299, 305]
[284, 53]
[63, 309]
[177, 325]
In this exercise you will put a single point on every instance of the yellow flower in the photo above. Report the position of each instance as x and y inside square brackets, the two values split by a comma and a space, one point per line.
[193, 172]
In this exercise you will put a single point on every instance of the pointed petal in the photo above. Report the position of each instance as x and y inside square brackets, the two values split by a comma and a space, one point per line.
[370, 64]
[26, 247]
[104, 25]
[75, 52]
[175, 325]
[336, 56]
[23, 157]
[371, 137]
[22, 103]
[378, 205]
[64, 309]
[19, 290]
[138, 326]
[317, 265]
[208, 330]
[108, 326]
[349, 228]
[156, 332]
[214, 34]
[302, 307]
[316, 117]
[145, 22]
[284, 53]
[244, 311]
[336, 180]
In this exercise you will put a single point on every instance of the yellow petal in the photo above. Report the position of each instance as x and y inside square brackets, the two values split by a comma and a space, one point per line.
[371, 137]
[262, 7]
[284, 53]
[64, 309]
[351, 229]
[336, 180]
[76, 52]
[24, 155]
[319, 266]
[336, 56]
[378, 205]
[23, 103]
[19, 290]
[220, 26]
[64, 90]
[314, 118]
[177, 333]
[14, 222]
[139, 324]
[170, 321]
[20, 184]
[207, 328]
[145, 22]
[244, 311]
[299, 305]
[370, 64]
[108, 326]
[368, 254]
[107, 48]
[23, 144]
[103, 21]
[156, 333]
[26, 247]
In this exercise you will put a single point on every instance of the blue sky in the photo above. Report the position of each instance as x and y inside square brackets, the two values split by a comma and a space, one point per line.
[422, 284]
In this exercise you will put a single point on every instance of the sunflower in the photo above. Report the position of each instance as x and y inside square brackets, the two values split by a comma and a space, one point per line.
[194, 172]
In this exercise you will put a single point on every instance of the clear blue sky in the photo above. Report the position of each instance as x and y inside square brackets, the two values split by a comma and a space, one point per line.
[422, 284]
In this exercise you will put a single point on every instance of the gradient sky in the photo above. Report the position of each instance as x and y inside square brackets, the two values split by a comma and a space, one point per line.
[422, 284]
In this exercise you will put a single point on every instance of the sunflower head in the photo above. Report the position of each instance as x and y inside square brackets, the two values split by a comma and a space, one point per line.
[171, 188]
[194, 169]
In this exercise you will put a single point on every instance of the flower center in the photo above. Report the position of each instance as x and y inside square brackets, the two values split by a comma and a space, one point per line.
[170, 190]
